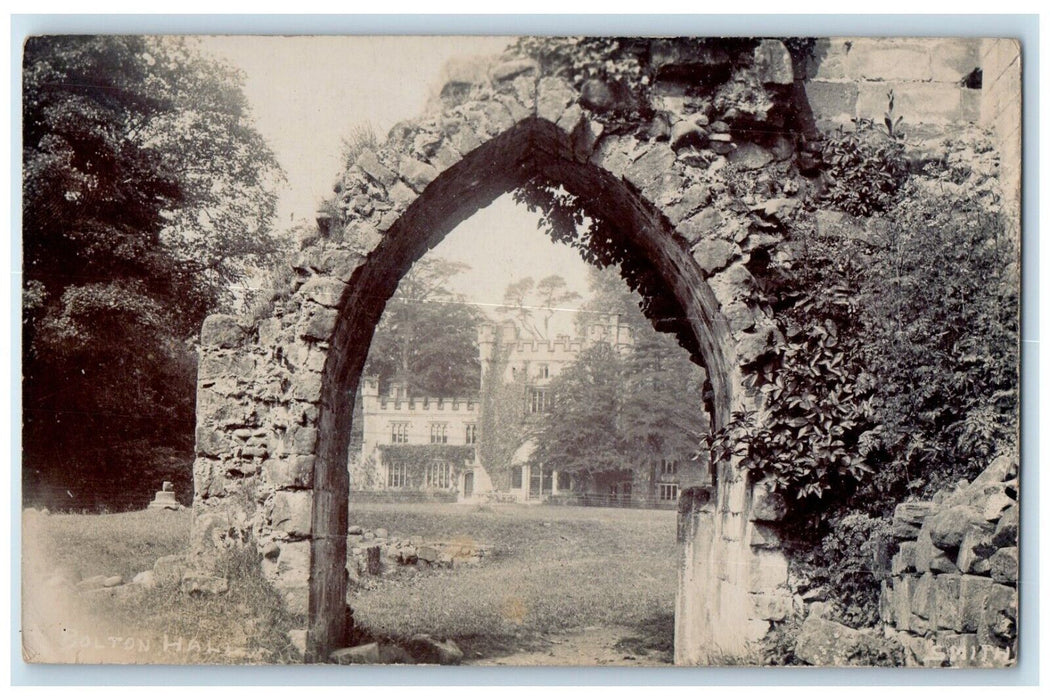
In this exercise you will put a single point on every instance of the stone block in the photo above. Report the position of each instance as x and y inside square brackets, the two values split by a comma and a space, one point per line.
[712, 254]
[904, 560]
[902, 597]
[326, 291]
[953, 59]
[918, 103]
[302, 439]
[750, 156]
[941, 563]
[216, 364]
[686, 133]
[1007, 528]
[767, 504]
[945, 610]
[293, 472]
[292, 511]
[1002, 468]
[691, 199]
[974, 551]
[772, 63]
[1004, 566]
[369, 163]
[570, 118]
[293, 562]
[990, 656]
[223, 331]
[211, 443]
[509, 70]
[307, 386]
[768, 571]
[973, 596]
[925, 551]
[554, 96]
[317, 322]
[826, 643]
[922, 596]
[949, 525]
[751, 347]
[832, 101]
[764, 537]
[998, 626]
[889, 60]
[655, 162]
[774, 607]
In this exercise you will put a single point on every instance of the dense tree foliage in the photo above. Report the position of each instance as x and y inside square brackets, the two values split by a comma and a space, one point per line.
[146, 194]
[898, 369]
[615, 409]
[428, 334]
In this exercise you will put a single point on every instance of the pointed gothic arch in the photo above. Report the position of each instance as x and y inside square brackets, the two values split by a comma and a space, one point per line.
[276, 394]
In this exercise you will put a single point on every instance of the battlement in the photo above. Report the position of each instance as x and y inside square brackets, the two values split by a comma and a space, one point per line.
[426, 404]
[542, 347]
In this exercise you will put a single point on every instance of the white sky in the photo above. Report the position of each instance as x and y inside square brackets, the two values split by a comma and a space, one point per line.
[307, 93]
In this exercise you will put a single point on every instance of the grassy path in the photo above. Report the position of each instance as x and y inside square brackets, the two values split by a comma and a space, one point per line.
[554, 570]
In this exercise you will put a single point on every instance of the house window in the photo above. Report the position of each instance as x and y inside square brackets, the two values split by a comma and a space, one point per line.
[439, 475]
[668, 467]
[438, 433]
[543, 372]
[398, 433]
[668, 492]
[397, 475]
[472, 434]
[515, 478]
[539, 400]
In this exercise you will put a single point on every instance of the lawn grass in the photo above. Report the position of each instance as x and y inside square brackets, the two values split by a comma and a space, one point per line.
[553, 568]
[132, 624]
[120, 543]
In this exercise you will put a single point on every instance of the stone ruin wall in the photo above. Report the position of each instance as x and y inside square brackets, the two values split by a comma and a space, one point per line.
[265, 400]
[951, 597]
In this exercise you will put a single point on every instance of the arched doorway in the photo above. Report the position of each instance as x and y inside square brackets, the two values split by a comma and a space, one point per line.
[289, 381]
[532, 148]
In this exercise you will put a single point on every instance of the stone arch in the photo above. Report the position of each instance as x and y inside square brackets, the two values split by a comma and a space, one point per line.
[275, 394]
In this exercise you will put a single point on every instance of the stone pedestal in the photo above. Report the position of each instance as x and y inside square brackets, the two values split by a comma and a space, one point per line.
[165, 499]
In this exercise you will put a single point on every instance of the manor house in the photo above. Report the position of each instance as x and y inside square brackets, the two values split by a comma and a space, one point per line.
[430, 448]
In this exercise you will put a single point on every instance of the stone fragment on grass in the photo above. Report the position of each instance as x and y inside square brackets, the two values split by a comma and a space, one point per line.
[361, 654]
[92, 582]
[298, 640]
[203, 584]
[427, 650]
[169, 569]
[146, 579]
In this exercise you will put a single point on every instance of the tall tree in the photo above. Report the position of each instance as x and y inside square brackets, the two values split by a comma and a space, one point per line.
[428, 334]
[659, 406]
[146, 193]
[583, 430]
[533, 304]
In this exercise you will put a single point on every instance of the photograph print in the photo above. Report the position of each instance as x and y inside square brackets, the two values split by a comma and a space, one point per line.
[520, 351]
